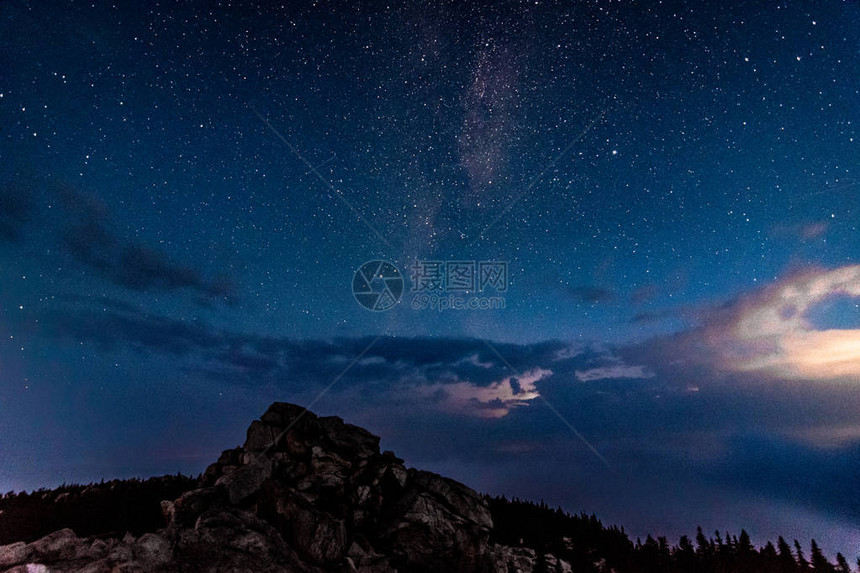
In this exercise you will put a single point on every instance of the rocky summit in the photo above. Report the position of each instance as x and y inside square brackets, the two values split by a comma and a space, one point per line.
[303, 494]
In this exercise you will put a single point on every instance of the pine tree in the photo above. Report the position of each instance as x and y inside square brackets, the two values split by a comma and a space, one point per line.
[787, 564]
[819, 562]
[703, 546]
[745, 553]
[842, 564]
[802, 563]
[768, 553]
[685, 555]
[744, 543]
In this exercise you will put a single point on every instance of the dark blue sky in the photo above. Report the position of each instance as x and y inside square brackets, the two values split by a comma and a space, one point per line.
[186, 193]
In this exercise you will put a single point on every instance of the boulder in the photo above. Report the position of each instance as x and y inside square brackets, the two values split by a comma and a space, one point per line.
[14, 554]
[62, 544]
[152, 551]
[246, 480]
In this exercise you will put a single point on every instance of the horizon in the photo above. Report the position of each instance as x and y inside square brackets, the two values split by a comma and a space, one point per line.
[634, 537]
[599, 253]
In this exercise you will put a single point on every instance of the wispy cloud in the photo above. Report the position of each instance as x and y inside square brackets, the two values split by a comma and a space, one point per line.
[133, 265]
[459, 374]
[17, 208]
[803, 231]
[81, 225]
[614, 371]
[590, 293]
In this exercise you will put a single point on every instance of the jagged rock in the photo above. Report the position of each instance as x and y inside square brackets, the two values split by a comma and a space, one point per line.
[525, 560]
[168, 509]
[121, 553]
[29, 568]
[319, 536]
[230, 539]
[246, 480]
[260, 436]
[362, 558]
[62, 544]
[65, 551]
[99, 548]
[14, 554]
[556, 565]
[185, 510]
[100, 566]
[152, 551]
[304, 494]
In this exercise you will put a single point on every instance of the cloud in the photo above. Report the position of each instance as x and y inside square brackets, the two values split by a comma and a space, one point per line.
[826, 437]
[769, 331]
[463, 373]
[141, 268]
[644, 294]
[803, 231]
[113, 328]
[615, 371]
[17, 208]
[590, 294]
[85, 232]
[91, 243]
[474, 360]
[656, 316]
[132, 265]
[814, 230]
[494, 400]
[454, 375]
[568, 352]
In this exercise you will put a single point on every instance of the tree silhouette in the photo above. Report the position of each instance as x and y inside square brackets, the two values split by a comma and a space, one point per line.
[109, 509]
[819, 563]
[98, 509]
[591, 547]
[841, 564]
[802, 563]
[787, 563]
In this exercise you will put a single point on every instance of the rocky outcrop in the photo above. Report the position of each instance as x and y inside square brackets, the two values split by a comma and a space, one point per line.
[303, 494]
[65, 551]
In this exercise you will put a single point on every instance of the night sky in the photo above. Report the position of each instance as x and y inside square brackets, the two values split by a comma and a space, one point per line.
[187, 192]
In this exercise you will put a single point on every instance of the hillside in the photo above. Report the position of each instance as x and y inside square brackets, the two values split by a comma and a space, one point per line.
[314, 494]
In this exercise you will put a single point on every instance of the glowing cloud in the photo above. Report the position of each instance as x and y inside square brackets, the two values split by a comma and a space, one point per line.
[770, 331]
[494, 400]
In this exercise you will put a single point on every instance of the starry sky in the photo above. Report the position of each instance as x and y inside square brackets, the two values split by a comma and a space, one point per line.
[187, 192]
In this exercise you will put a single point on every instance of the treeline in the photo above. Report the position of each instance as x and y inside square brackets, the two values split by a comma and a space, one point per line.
[106, 509]
[110, 509]
[589, 546]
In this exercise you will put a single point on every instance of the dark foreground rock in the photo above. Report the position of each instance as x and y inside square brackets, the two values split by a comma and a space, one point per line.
[303, 494]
